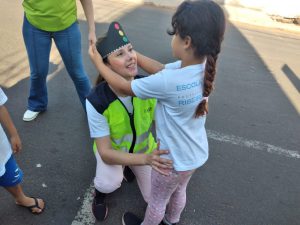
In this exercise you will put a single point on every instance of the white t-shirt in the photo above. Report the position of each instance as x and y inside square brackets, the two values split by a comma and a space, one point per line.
[97, 122]
[178, 92]
[5, 148]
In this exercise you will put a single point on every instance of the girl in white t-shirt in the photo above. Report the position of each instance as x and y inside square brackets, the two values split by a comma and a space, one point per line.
[10, 174]
[181, 89]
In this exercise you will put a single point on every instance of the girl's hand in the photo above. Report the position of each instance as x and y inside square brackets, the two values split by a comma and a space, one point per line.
[94, 55]
[16, 143]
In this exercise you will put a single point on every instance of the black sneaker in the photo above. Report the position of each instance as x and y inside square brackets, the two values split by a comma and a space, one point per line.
[99, 207]
[131, 219]
[164, 223]
[128, 174]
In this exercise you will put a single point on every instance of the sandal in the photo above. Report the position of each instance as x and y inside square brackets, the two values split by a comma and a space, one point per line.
[36, 205]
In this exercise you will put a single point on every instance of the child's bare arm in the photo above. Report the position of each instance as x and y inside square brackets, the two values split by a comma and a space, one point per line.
[117, 82]
[6, 121]
[113, 157]
[151, 66]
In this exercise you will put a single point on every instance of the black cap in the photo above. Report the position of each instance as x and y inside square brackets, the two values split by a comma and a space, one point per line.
[115, 39]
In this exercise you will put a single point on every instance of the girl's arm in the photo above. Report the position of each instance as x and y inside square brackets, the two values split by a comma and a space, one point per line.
[88, 9]
[118, 83]
[151, 66]
[114, 157]
[10, 127]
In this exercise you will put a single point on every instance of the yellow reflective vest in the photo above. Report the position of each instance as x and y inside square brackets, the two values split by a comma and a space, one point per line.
[128, 132]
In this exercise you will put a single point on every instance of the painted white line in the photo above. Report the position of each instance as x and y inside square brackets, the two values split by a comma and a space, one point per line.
[85, 215]
[235, 140]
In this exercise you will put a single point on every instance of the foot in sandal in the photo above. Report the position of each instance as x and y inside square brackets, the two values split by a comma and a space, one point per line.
[34, 205]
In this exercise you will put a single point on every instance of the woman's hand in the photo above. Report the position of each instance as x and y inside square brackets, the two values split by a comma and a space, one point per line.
[92, 38]
[161, 165]
[16, 143]
[94, 55]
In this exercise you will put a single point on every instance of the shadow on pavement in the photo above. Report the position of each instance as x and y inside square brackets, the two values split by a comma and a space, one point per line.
[292, 76]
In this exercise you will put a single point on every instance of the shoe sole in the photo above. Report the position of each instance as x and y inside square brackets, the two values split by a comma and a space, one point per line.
[31, 118]
[123, 223]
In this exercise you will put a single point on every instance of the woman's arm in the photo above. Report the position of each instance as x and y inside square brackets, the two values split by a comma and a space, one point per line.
[151, 66]
[88, 9]
[9, 125]
[113, 157]
[118, 83]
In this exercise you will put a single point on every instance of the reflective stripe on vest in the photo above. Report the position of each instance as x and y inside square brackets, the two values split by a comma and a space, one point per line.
[128, 138]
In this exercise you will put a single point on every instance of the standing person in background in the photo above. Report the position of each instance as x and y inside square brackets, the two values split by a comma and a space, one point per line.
[181, 89]
[121, 126]
[54, 19]
[10, 174]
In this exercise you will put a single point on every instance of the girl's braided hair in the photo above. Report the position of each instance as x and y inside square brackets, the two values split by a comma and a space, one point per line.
[204, 22]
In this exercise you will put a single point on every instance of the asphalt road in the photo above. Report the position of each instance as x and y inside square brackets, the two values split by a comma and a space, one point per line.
[252, 175]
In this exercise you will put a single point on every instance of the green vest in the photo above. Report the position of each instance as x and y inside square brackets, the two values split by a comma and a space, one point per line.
[50, 15]
[128, 133]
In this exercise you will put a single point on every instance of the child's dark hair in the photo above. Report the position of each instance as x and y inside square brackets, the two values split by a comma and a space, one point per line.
[99, 78]
[204, 22]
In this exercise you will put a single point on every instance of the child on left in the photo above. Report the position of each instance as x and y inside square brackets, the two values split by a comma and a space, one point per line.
[10, 174]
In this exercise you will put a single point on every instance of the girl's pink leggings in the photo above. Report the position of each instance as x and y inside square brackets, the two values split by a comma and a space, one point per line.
[168, 196]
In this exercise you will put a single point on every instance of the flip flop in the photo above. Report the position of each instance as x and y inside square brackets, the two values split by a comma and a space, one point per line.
[36, 205]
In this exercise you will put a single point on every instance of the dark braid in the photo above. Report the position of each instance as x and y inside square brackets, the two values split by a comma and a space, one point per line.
[209, 77]
[204, 22]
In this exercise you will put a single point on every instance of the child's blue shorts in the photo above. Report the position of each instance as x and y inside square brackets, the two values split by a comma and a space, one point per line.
[13, 174]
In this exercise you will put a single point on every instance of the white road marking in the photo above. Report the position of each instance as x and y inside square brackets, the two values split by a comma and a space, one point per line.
[85, 215]
[235, 140]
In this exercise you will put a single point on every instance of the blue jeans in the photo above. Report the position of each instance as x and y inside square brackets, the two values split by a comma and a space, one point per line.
[38, 45]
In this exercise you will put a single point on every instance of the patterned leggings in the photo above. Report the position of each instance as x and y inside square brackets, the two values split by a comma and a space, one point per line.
[168, 197]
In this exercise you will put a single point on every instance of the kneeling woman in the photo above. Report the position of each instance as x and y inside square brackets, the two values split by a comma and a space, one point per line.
[121, 125]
